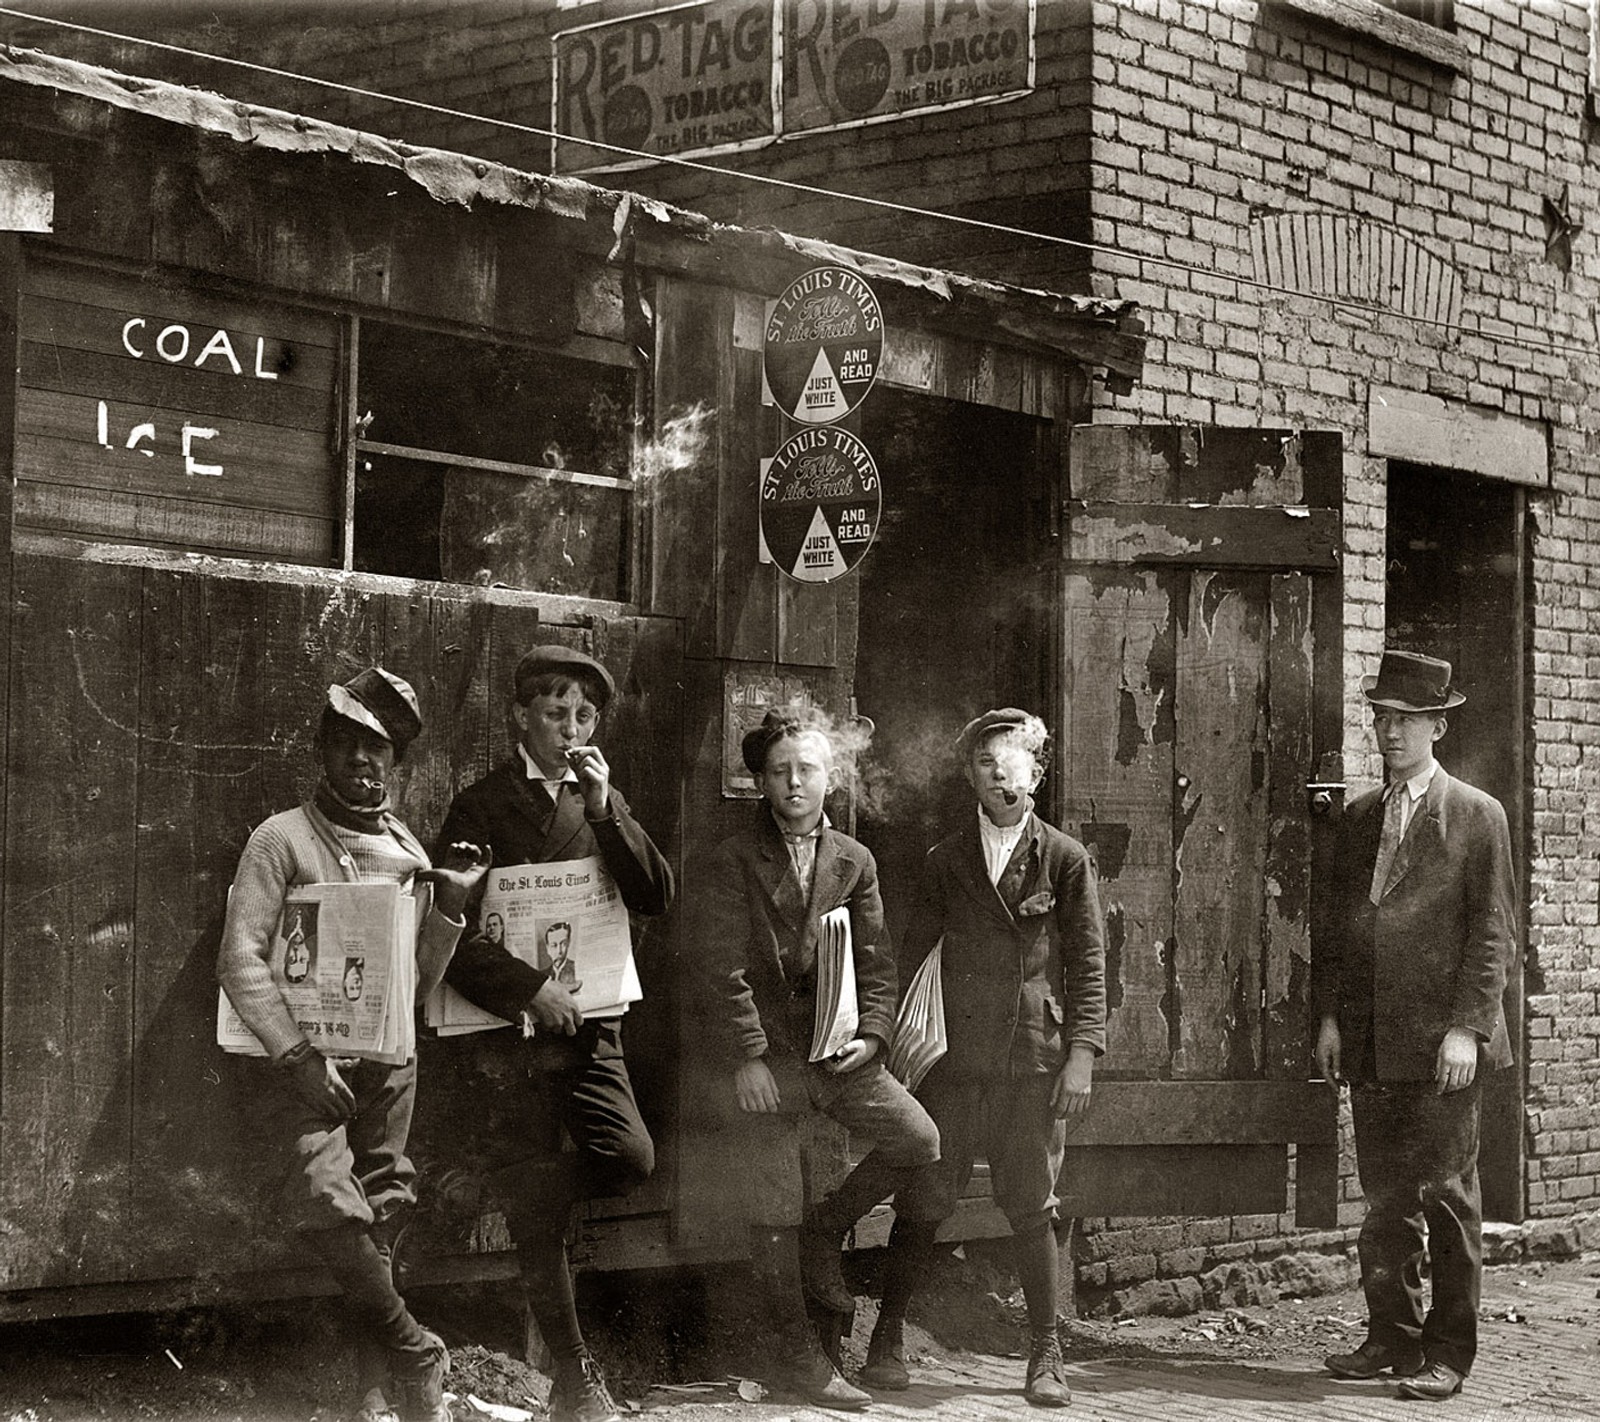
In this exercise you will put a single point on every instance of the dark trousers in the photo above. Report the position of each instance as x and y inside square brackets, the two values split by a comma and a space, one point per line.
[1417, 1158]
[581, 1085]
[1010, 1123]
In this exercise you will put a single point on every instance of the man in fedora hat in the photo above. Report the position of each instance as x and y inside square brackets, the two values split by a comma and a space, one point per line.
[554, 1070]
[338, 1126]
[1408, 987]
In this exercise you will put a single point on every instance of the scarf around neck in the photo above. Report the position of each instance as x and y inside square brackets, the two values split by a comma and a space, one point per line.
[363, 819]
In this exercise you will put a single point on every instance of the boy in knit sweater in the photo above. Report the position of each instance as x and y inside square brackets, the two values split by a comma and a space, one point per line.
[339, 1125]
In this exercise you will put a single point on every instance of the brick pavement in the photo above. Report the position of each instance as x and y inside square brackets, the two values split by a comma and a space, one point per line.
[1539, 1358]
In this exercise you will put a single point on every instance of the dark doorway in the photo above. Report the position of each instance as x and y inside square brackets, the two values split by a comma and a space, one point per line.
[1456, 589]
[955, 611]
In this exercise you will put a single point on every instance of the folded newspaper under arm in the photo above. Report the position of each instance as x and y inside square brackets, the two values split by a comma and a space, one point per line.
[565, 918]
[344, 956]
[838, 1012]
[919, 1035]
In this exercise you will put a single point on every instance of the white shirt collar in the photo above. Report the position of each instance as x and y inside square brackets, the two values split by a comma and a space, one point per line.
[1417, 785]
[535, 771]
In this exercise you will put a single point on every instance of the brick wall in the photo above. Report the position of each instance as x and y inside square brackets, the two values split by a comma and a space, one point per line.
[1161, 131]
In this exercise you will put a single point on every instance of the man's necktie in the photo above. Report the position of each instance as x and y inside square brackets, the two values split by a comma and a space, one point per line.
[1388, 840]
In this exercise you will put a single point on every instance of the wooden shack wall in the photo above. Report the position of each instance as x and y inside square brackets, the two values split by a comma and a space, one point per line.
[164, 701]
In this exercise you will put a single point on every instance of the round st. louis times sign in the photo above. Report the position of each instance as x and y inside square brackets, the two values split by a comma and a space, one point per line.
[824, 343]
[820, 502]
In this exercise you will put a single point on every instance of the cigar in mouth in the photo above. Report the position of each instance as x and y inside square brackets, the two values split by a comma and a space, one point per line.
[1011, 796]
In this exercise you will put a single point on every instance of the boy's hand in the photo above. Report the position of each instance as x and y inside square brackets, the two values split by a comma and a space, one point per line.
[316, 1082]
[755, 1088]
[1457, 1061]
[454, 880]
[555, 1007]
[594, 779]
[1328, 1050]
[1070, 1095]
[854, 1054]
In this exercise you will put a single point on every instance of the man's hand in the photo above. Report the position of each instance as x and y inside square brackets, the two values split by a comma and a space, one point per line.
[555, 1007]
[1070, 1094]
[316, 1082]
[594, 779]
[454, 880]
[855, 1053]
[1328, 1048]
[1457, 1062]
[754, 1087]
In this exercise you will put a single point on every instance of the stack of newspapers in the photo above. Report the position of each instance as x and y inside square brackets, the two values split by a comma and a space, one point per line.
[838, 1011]
[565, 918]
[919, 1036]
[344, 957]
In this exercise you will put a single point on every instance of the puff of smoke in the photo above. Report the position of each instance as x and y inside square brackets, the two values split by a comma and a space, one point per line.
[682, 441]
[1031, 736]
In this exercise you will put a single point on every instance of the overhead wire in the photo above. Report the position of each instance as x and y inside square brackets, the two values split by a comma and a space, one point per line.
[810, 190]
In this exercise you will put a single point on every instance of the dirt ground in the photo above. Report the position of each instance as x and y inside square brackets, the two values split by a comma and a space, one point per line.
[684, 1345]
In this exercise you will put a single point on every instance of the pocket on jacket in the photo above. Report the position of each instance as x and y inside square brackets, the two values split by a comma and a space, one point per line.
[1055, 1012]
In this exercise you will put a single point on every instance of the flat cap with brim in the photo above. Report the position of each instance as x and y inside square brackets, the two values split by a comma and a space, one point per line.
[380, 701]
[552, 657]
[1007, 718]
[775, 725]
[1409, 681]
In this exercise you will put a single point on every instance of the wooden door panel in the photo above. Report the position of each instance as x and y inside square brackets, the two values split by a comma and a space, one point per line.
[1116, 774]
[1193, 561]
[1220, 837]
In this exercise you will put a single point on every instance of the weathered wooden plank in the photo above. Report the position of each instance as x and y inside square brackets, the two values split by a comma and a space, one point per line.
[64, 370]
[1115, 754]
[1287, 1031]
[694, 369]
[747, 602]
[1220, 842]
[201, 723]
[185, 524]
[262, 466]
[1213, 535]
[1173, 1180]
[1123, 463]
[66, 978]
[1190, 1113]
[301, 343]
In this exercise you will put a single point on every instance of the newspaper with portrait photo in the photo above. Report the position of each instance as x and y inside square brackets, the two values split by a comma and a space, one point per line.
[565, 918]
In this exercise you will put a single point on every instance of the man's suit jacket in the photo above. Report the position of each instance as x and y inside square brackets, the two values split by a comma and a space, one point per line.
[1444, 932]
[756, 936]
[1023, 962]
[521, 824]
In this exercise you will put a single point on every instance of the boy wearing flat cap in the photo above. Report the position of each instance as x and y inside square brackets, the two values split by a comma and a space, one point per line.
[756, 925]
[1408, 987]
[343, 1122]
[1015, 902]
[553, 800]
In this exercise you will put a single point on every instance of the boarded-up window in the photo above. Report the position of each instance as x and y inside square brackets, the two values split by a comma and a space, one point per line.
[487, 463]
[153, 412]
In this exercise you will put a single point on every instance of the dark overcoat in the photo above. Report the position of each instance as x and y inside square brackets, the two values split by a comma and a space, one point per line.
[521, 824]
[1023, 962]
[1444, 933]
[756, 936]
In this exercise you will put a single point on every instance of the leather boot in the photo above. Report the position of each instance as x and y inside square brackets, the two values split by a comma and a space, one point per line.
[803, 1368]
[820, 1248]
[579, 1393]
[417, 1389]
[1046, 1384]
[886, 1356]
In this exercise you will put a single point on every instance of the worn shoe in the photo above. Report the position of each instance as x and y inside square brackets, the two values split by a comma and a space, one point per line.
[819, 1267]
[417, 1387]
[580, 1394]
[885, 1369]
[1372, 1358]
[1434, 1385]
[375, 1408]
[1046, 1384]
[814, 1378]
